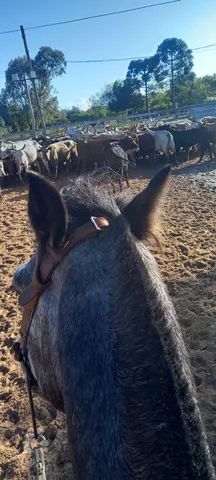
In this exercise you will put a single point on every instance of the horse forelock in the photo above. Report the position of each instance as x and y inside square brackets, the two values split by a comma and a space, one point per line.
[86, 198]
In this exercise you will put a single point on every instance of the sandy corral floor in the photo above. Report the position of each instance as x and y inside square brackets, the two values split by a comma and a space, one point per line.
[188, 263]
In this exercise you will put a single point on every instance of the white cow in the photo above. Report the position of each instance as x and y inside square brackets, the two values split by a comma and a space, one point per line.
[18, 157]
[2, 174]
[164, 141]
[2, 171]
[30, 154]
[3, 150]
[34, 153]
[21, 161]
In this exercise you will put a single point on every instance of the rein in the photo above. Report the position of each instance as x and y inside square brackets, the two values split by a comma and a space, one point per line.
[28, 299]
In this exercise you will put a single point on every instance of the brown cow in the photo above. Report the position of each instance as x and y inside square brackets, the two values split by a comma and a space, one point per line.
[91, 153]
[129, 143]
[108, 155]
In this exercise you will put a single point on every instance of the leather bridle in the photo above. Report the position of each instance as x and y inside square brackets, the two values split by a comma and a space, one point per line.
[42, 275]
[44, 268]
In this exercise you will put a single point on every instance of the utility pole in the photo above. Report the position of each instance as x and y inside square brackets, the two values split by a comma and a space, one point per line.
[33, 79]
[30, 106]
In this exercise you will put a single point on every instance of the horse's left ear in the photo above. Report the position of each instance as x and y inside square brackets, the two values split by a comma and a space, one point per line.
[143, 211]
[47, 211]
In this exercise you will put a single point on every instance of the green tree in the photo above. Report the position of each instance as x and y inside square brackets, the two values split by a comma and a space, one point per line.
[208, 83]
[14, 116]
[73, 114]
[196, 90]
[175, 63]
[2, 122]
[15, 91]
[47, 64]
[3, 128]
[143, 71]
[160, 100]
[104, 97]
[125, 95]
[4, 113]
[95, 112]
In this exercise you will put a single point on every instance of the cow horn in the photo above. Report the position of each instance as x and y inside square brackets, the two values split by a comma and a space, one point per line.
[18, 149]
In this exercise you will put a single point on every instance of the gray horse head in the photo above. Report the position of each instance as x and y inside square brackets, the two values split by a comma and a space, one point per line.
[104, 343]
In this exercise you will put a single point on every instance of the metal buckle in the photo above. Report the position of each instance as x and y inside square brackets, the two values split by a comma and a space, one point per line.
[41, 441]
[94, 221]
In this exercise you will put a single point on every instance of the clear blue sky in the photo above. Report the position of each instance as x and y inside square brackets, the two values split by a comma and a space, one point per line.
[127, 35]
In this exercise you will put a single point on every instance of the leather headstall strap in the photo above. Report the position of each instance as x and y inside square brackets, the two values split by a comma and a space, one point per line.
[45, 267]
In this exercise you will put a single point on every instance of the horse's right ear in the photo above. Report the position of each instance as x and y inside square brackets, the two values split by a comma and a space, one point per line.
[143, 212]
[47, 211]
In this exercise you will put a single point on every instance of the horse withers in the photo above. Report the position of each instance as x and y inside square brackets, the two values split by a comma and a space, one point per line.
[104, 344]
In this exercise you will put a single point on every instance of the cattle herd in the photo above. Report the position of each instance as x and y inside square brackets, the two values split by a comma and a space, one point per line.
[116, 149]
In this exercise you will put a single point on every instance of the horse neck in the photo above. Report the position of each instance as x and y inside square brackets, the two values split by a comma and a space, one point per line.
[123, 397]
[162, 417]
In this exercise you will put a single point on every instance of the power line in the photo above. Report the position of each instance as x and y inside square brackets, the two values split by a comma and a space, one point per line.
[203, 49]
[104, 60]
[206, 51]
[91, 17]
[205, 46]
[9, 31]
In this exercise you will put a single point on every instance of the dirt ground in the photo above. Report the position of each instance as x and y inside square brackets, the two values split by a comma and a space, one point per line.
[188, 263]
